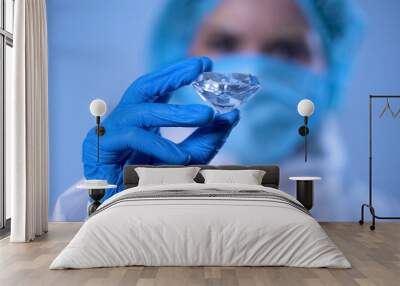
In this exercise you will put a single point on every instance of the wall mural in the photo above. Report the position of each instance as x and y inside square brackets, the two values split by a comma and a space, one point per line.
[142, 58]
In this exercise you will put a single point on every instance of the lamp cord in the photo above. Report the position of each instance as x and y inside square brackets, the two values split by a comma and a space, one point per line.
[305, 137]
[98, 137]
[305, 148]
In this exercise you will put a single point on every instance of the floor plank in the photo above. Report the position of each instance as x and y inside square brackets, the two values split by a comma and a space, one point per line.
[375, 257]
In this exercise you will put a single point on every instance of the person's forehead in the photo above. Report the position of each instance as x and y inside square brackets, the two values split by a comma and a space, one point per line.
[272, 16]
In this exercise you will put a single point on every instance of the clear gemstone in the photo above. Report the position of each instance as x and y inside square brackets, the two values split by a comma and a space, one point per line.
[226, 92]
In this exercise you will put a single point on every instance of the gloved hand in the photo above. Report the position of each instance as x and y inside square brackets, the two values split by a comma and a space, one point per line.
[132, 128]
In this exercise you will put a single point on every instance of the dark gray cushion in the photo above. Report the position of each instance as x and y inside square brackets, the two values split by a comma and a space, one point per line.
[270, 179]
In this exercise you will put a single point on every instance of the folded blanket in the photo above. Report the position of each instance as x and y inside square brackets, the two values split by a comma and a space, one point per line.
[198, 225]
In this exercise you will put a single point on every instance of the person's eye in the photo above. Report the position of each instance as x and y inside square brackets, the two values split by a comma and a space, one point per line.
[223, 43]
[291, 50]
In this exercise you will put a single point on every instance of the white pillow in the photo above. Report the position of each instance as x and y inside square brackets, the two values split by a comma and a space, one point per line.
[166, 176]
[248, 177]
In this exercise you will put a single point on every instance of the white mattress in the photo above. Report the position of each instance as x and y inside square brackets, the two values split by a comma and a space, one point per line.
[203, 231]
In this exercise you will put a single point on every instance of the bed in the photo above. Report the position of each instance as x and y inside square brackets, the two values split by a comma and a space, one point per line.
[198, 224]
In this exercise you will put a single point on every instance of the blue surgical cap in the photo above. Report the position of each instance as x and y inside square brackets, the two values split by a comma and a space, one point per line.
[338, 22]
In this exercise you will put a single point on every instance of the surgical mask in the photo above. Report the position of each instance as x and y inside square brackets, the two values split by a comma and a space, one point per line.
[268, 128]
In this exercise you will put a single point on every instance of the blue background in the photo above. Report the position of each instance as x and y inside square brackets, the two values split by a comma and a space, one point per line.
[96, 49]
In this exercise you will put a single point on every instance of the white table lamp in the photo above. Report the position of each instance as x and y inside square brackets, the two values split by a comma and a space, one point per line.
[98, 108]
[97, 188]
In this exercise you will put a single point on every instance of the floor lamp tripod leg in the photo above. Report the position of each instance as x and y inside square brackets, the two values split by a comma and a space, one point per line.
[361, 221]
[372, 210]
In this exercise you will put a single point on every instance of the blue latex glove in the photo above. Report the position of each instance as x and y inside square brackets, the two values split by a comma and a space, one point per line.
[132, 128]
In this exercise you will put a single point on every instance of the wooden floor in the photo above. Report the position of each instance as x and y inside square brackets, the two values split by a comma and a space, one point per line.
[375, 257]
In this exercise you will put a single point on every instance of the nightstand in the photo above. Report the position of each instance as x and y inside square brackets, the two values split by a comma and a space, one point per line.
[97, 190]
[305, 190]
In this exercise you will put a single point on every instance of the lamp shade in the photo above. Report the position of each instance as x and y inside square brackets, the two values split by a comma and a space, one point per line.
[305, 107]
[98, 107]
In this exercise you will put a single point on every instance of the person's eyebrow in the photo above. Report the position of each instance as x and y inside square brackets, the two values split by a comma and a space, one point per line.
[221, 28]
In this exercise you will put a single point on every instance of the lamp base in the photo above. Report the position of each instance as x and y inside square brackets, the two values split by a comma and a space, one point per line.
[100, 131]
[303, 130]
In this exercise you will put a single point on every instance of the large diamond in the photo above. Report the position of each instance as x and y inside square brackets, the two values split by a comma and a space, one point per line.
[226, 92]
